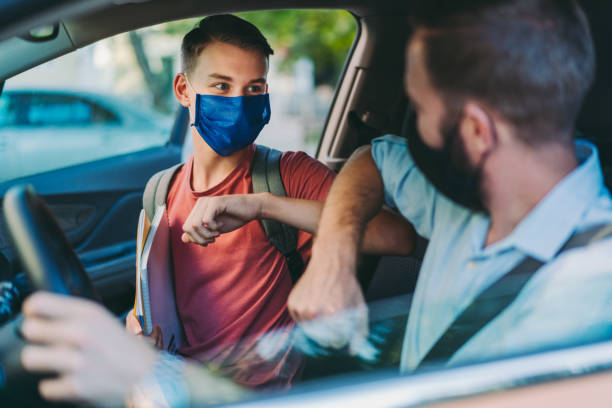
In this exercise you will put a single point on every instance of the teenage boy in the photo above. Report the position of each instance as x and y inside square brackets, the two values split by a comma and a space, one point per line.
[230, 293]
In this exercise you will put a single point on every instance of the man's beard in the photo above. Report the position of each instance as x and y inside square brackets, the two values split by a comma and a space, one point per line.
[448, 169]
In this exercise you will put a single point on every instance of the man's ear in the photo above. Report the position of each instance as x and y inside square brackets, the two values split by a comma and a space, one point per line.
[180, 89]
[266, 89]
[478, 131]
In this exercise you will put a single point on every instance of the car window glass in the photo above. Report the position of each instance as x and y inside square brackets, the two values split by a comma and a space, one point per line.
[8, 110]
[115, 96]
[56, 109]
[379, 354]
[97, 106]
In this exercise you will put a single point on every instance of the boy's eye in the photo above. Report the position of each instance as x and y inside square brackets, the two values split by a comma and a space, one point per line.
[254, 89]
[222, 86]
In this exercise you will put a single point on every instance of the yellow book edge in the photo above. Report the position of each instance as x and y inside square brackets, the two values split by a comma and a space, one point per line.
[144, 226]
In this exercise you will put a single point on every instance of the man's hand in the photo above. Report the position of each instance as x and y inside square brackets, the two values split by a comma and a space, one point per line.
[329, 285]
[97, 362]
[212, 216]
[327, 300]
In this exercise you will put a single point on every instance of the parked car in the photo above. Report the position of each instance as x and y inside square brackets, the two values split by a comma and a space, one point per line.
[42, 130]
[96, 203]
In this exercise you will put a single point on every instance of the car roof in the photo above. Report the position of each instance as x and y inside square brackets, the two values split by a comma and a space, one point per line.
[106, 16]
[83, 22]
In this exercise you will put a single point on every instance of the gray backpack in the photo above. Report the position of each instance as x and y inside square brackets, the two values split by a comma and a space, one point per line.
[266, 177]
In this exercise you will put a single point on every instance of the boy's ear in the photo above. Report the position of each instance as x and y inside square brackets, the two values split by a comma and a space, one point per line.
[266, 90]
[181, 90]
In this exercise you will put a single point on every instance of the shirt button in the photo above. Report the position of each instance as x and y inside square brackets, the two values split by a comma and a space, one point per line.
[471, 265]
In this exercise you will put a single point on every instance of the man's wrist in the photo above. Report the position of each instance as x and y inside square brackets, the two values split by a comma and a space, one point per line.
[342, 247]
[344, 239]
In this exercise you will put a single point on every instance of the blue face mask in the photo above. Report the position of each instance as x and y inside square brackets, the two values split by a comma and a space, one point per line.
[229, 124]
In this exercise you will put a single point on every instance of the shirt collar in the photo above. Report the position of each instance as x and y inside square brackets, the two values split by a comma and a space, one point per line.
[547, 227]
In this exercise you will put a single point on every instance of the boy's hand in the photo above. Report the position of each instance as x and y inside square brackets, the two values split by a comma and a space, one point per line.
[212, 216]
[132, 325]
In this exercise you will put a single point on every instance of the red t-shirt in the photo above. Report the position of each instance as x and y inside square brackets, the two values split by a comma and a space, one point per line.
[237, 288]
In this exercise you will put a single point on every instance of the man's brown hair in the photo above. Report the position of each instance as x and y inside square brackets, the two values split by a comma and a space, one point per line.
[532, 61]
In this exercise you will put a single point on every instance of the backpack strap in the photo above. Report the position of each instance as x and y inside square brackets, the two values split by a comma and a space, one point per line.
[266, 177]
[497, 297]
[156, 190]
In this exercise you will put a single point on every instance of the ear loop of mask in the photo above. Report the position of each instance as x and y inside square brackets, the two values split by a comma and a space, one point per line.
[189, 83]
[194, 91]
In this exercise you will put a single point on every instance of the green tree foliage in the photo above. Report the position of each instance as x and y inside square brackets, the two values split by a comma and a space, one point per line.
[324, 36]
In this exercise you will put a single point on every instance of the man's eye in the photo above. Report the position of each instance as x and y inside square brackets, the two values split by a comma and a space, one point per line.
[254, 89]
[222, 86]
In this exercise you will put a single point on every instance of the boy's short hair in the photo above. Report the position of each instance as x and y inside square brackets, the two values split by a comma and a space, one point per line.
[533, 61]
[225, 28]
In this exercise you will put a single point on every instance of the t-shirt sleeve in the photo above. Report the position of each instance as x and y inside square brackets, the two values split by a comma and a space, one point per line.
[406, 188]
[305, 177]
[308, 179]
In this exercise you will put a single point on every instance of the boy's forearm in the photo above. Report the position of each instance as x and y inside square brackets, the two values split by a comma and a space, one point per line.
[389, 234]
[354, 199]
[301, 214]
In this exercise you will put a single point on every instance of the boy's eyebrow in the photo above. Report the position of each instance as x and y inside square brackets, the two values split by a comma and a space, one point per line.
[219, 76]
[261, 80]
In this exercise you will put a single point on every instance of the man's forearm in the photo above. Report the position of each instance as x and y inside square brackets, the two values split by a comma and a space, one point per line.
[355, 197]
[329, 285]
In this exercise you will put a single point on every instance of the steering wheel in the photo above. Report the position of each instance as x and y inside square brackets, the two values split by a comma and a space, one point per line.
[50, 264]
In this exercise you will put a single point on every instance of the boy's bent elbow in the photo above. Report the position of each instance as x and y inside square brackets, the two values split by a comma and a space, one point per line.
[390, 234]
[405, 239]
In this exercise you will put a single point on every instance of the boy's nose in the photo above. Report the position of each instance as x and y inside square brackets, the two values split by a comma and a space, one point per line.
[238, 92]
